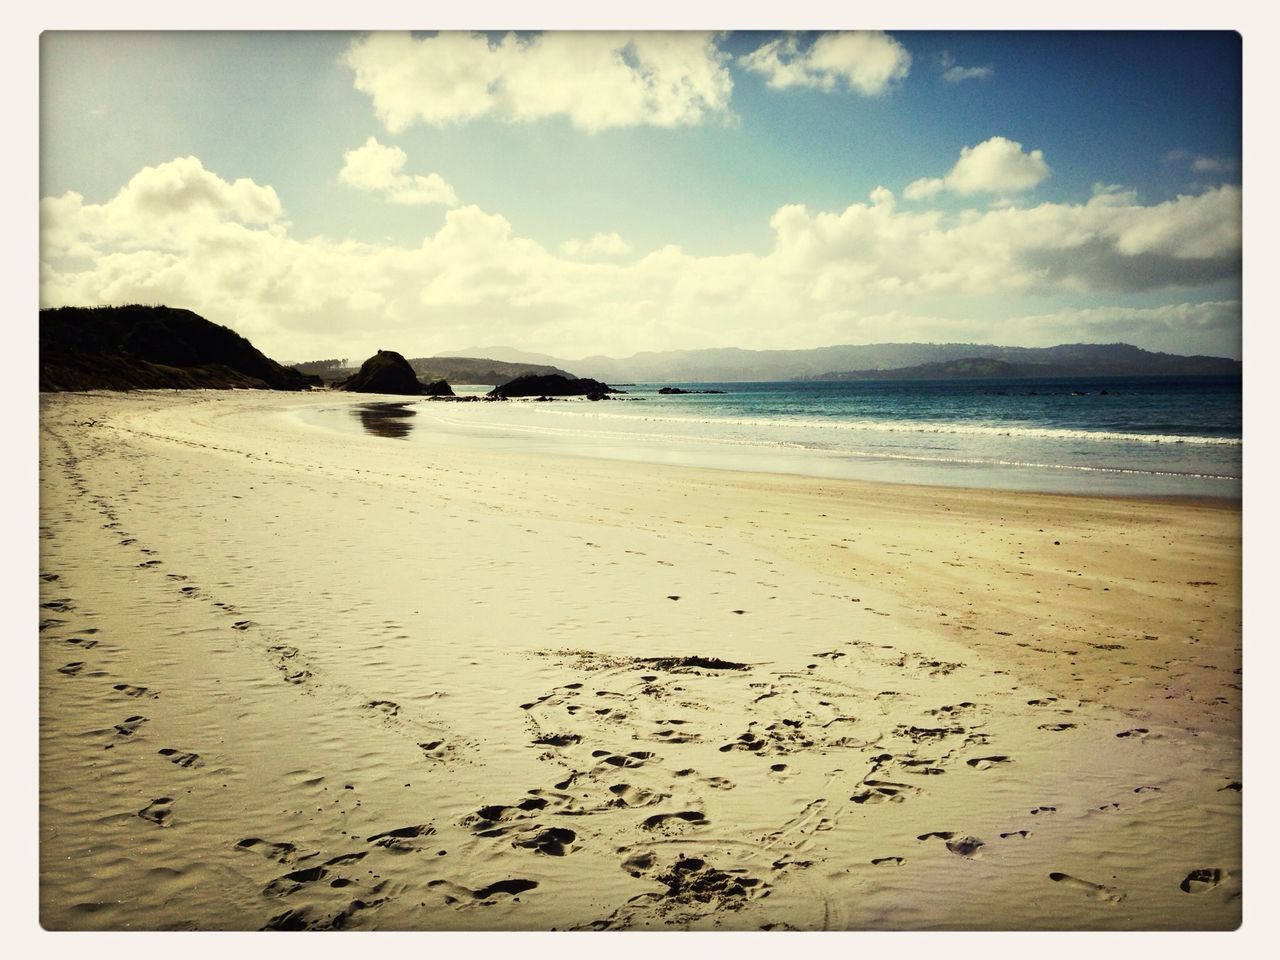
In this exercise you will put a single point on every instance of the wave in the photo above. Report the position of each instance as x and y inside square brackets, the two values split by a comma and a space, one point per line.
[576, 433]
[918, 427]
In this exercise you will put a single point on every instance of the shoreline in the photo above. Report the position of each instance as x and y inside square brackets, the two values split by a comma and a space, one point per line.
[431, 623]
[719, 444]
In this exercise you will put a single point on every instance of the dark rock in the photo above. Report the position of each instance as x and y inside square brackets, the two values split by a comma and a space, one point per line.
[679, 391]
[438, 388]
[550, 385]
[385, 372]
[149, 348]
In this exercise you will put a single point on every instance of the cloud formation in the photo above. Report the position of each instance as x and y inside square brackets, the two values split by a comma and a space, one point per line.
[601, 244]
[952, 72]
[996, 166]
[869, 62]
[380, 169]
[1213, 165]
[179, 234]
[596, 80]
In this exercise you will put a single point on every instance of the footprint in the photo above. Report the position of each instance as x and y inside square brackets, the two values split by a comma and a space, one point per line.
[243, 625]
[1015, 833]
[435, 749]
[279, 852]
[129, 725]
[1138, 732]
[84, 642]
[1201, 881]
[986, 763]
[1039, 810]
[631, 796]
[883, 792]
[634, 759]
[559, 739]
[1097, 891]
[398, 839]
[492, 821]
[287, 884]
[891, 861]
[283, 886]
[388, 707]
[512, 887]
[71, 669]
[129, 690]
[158, 811]
[553, 842]
[663, 820]
[1057, 727]
[180, 758]
[966, 847]
[940, 834]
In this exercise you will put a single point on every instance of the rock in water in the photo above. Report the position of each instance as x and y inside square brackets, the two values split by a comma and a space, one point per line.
[438, 388]
[551, 385]
[386, 372]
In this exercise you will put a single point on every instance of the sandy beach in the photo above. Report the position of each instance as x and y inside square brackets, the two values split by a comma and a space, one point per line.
[300, 679]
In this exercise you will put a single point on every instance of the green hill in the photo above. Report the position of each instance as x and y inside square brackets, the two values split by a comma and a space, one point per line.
[142, 348]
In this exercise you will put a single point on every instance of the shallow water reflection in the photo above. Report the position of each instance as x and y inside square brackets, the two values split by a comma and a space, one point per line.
[385, 419]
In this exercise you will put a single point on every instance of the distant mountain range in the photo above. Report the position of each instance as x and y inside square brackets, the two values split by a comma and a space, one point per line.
[486, 370]
[141, 347]
[880, 361]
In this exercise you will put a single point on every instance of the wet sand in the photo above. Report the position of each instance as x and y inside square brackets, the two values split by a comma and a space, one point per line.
[296, 679]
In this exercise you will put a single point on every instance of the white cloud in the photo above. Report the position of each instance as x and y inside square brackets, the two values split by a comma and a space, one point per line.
[381, 169]
[952, 72]
[596, 80]
[866, 61]
[997, 166]
[924, 187]
[178, 198]
[179, 234]
[601, 244]
[1213, 165]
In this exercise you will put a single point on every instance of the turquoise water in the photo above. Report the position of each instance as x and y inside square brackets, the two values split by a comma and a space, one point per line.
[1137, 436]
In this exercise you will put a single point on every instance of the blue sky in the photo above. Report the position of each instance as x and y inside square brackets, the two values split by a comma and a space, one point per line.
[731, 204]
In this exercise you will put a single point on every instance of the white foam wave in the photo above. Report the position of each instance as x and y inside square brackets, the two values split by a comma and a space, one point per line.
[917, 427]
[630, 438]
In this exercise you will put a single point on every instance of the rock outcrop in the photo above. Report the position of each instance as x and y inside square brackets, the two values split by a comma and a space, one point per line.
[552, 385]
[151, 348]
[385, 372]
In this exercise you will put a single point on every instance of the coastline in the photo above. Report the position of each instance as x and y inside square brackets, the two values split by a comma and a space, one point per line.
[924, 453]
[383, 589]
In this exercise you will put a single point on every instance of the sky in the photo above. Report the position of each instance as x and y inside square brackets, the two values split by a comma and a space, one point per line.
[330, 194]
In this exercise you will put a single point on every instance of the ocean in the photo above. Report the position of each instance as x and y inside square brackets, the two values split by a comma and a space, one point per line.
[1142, 436]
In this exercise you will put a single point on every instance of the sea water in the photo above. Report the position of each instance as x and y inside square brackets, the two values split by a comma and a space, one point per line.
[1132, 436]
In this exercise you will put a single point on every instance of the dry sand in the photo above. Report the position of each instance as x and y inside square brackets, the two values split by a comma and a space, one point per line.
[293, 678]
